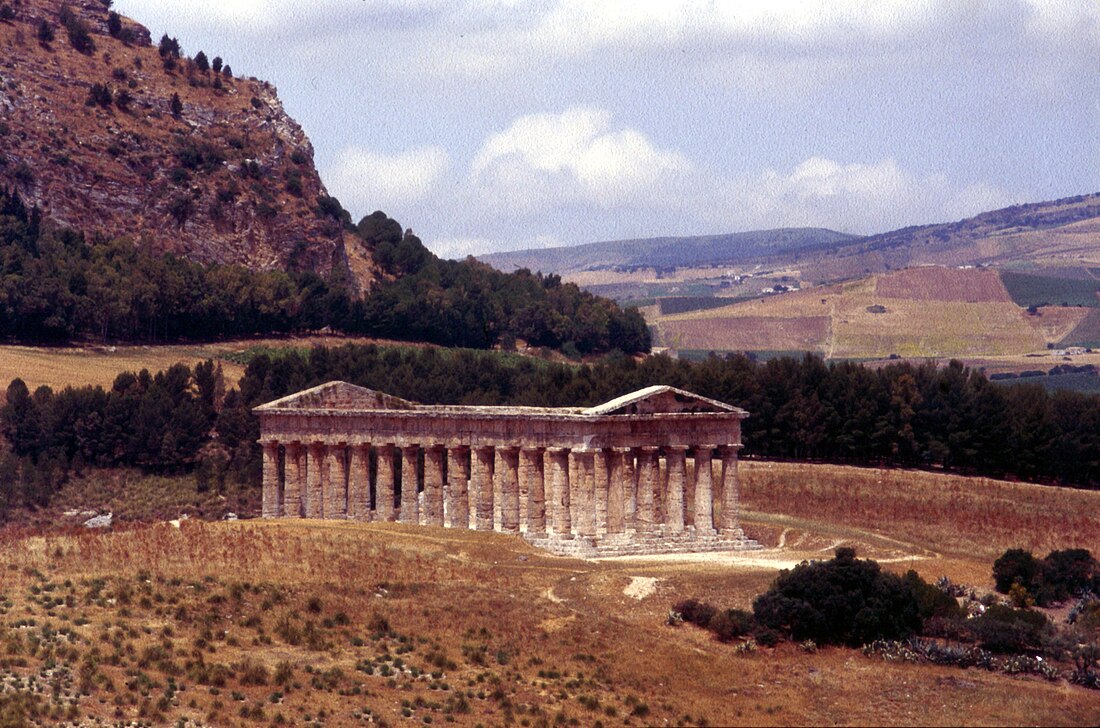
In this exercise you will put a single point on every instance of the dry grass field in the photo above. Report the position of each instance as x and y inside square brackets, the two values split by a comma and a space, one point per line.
[78, 366]
[333, 623]
[921, 312]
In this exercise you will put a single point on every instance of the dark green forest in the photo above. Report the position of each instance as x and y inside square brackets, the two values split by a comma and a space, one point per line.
[55, 285]
[901, 415]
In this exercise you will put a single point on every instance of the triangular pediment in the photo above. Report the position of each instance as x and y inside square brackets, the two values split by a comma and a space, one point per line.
[661, 399]
[338, 396]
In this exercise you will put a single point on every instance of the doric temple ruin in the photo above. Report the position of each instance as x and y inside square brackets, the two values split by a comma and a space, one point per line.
[650, 472]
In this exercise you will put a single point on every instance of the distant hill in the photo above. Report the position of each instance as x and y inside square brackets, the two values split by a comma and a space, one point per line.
[668, 252]
[1063, 232]
[1058, 233]
[112, 135]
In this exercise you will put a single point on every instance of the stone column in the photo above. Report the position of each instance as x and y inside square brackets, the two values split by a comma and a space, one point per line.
[508, 465]
[410, 501]
[602, 481]
[385, 485]
[458, 473]
[272, 504]
[314, 480]
[648, 473]
[585, 511]
[359, 482]
[630, 489]
[616, 491]
[561, 522]
[704, 484]
[292, 492]
[531, 470]
[481, 480]
[731, 491]
[674, 493]
[336, 486]
[433, 485]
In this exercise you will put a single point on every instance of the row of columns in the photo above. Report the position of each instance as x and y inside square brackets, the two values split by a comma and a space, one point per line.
[553, 491]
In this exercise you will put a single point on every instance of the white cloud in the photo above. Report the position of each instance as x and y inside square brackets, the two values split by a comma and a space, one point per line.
[365, 180]
[542, 160]
[854, 197]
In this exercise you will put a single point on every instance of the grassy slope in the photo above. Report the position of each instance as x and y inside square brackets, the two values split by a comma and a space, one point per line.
[510, 631]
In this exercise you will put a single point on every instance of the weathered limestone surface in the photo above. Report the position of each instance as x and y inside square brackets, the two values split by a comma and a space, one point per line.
[605, 480]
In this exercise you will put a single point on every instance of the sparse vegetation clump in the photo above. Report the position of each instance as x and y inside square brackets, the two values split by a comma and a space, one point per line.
[1061, 575]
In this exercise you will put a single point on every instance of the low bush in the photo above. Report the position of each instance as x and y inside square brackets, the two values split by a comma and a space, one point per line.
[844, 600]
[729, 624]
[1007, 630]
[1060, 576]
[698, 613]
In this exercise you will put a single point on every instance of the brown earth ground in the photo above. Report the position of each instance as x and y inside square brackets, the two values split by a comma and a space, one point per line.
[342, 623]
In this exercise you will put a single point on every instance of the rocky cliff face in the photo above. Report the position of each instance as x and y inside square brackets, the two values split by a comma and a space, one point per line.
[107, 134]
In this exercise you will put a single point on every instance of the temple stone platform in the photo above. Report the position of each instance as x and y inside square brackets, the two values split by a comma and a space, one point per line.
[651, 472]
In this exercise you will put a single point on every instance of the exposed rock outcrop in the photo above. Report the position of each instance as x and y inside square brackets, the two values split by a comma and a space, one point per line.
[93, 135]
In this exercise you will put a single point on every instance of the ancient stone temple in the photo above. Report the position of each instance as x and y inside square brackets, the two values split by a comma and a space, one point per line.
[650, 472]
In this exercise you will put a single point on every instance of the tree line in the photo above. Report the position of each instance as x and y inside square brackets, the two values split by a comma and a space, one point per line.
[903, 414]
[55, 285]
[899, 415]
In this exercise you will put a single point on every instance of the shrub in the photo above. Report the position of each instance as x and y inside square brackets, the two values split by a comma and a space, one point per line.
[765, 638]
[1056, 578]
[114, 24]
[696, 612]
[729, 624]
[931, 600]
[176, 105]
[45, 32]
[842, 601]
[1066, 573]
[6, 13]
[1008, 630]
[1016, 566]
[79, 37]
[169, 47]
[99, 95]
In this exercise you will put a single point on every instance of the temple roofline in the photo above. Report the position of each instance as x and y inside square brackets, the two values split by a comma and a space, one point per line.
[342, 398]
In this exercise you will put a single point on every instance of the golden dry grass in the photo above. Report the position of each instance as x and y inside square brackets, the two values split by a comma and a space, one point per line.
[515, 635]
[93, 365]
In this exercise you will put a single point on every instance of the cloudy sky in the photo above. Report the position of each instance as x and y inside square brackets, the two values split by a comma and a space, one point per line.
[496, 125]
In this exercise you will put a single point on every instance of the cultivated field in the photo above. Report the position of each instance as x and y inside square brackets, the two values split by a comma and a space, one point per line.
[922, 312]
[345, 624]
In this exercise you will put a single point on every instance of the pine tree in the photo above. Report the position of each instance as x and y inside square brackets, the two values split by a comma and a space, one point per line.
[176, 105]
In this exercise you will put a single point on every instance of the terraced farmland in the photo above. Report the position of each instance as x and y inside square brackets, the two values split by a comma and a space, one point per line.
[919, 312]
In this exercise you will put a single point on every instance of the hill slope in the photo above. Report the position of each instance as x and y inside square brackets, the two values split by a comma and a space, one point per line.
[1063, 232]
[668, 252]
[356, 624]
[92, 134]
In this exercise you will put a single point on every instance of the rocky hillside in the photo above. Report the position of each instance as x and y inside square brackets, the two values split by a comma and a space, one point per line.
[114, 135]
